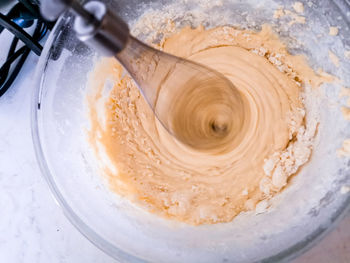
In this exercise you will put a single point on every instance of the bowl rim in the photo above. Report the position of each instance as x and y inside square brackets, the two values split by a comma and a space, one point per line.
[288, 254]
[74, 219]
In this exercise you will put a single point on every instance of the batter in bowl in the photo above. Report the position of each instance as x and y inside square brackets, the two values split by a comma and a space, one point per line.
[148, 166]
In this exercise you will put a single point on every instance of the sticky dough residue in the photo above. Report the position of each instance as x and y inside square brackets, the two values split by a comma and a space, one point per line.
[148, 166]
[344, 151]
[293, 17]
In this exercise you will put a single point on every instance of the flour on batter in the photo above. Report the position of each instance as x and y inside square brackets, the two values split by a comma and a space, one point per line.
[150, 167]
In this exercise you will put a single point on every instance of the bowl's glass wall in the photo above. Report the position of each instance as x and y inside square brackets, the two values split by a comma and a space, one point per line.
[300, 214]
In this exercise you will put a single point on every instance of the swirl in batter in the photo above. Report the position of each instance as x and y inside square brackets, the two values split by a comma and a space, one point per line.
[147, 165]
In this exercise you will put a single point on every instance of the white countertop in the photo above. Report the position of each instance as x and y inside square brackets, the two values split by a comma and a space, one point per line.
[34, 229]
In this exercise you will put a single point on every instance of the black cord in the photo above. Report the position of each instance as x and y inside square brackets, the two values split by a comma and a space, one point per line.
[21, 34]
[10, 53]
[22, 15]
[5, 85]
[6, 82]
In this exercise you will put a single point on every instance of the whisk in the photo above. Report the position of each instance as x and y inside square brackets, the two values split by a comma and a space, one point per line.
[196, 104]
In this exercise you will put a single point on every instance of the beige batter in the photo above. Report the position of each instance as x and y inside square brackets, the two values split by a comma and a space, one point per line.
[151, 168]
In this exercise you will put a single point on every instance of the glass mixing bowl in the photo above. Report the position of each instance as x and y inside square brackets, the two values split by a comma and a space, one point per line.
[301, 214]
